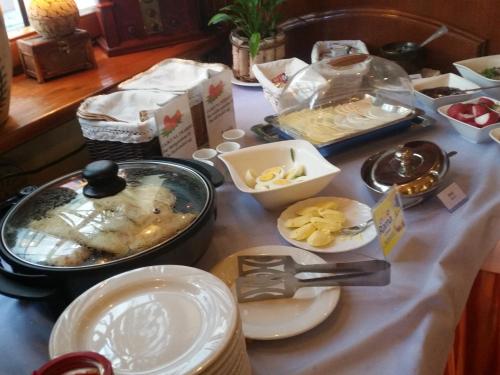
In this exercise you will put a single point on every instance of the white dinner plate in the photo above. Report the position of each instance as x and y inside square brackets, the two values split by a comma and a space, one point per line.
[151, 321]
[230, 357]
[280, 318]
[355, 213]
[237, 82]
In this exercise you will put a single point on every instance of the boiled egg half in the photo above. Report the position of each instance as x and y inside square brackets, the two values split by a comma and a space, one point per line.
[274, 177]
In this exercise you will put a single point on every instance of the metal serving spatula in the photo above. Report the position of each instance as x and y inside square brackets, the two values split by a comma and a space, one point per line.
[284, 284]
[273, 264]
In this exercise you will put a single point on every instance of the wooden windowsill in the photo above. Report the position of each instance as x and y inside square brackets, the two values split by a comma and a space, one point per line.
[36, 108]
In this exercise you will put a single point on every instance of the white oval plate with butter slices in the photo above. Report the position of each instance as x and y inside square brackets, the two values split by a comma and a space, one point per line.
[355, 213]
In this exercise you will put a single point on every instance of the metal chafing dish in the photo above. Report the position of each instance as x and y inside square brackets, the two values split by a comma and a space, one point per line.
[416, 168]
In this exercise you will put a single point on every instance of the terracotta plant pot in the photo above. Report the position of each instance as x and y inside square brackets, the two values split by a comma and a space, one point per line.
[272, 48]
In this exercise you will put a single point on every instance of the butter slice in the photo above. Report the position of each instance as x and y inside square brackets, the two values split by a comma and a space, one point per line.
[303, 232]
[320, 238]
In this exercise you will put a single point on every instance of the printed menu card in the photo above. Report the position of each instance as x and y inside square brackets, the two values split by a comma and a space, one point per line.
[217, 93]
[175, 128]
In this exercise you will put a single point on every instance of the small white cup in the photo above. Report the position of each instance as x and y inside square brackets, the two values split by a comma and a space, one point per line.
[209, 156]
[209, 162]
[224, 147]
[205, 154]
[234, 135]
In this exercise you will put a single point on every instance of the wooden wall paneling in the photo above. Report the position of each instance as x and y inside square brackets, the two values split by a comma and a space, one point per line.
[478, 17]
[377, 27]
[476, 349]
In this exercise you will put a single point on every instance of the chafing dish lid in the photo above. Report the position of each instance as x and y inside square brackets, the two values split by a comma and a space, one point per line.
[415, 167]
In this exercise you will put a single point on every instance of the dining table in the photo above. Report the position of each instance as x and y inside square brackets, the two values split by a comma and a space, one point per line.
[406, 327]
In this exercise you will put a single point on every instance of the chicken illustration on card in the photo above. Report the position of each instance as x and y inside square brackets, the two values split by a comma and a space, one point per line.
[217, 94]
[175, 128]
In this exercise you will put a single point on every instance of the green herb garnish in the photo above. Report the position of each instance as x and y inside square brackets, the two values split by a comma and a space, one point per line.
[491, 73]
[292, 154]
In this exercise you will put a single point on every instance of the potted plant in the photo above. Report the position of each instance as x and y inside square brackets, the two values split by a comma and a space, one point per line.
[255, 37]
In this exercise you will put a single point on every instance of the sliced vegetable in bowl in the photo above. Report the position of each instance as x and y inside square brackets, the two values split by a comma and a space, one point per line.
[473, 119]
[480, 113]
[481, 70]
[492, 73]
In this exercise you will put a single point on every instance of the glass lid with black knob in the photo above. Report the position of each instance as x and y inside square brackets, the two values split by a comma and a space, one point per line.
[105, 213]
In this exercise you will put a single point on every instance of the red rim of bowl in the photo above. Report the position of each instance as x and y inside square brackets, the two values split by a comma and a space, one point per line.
[75, 361]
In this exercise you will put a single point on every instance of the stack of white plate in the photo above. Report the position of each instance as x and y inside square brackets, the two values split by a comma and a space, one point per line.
[157, 320]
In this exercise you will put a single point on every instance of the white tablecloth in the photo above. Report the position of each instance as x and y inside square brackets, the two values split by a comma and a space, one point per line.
[407, 327]
[404, 328]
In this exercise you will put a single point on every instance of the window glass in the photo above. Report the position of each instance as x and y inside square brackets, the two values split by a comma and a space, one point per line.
[12, 11]
[12, 14]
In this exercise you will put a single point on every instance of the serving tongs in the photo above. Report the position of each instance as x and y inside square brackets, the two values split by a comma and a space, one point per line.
[271, 264]
[272, 277]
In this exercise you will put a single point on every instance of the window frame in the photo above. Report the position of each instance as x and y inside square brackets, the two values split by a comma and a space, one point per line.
[86, 14]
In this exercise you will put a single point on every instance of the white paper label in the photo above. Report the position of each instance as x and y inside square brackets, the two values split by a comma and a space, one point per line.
[175, 128]
[217, 95]
[452, 197]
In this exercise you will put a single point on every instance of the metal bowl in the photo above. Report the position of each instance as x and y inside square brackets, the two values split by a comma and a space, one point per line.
[417, 169]
[407, 54]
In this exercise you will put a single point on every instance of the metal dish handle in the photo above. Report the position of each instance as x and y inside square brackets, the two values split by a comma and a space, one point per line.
[212, 173]
[22, 286]
[422, 120]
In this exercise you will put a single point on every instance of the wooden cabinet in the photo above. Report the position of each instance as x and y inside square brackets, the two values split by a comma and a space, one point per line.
[132, 25]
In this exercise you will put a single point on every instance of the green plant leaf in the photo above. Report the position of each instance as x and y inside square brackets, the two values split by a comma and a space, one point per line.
[254, 44]
[220, 17]
[251, 17]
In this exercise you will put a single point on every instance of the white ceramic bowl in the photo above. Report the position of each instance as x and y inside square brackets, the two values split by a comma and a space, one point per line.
[447, 80]
[471, 69]
[319, 171]
[495, 134]
[469, 132]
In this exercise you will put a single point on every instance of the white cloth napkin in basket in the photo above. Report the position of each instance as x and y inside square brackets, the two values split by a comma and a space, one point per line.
[176, 76]
[274, 75]
[122, 116]
[124, 106]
